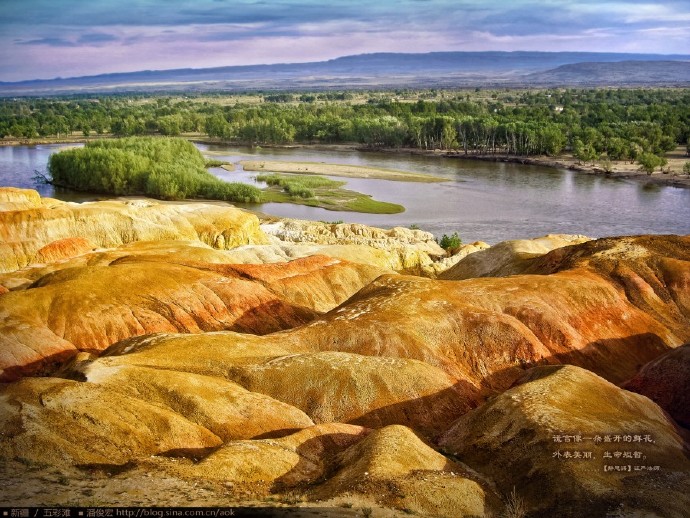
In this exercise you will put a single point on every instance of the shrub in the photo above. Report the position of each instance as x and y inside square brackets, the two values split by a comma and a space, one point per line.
[450, 243]
[606, 165]
[515, 506]
[649, 161]
[298, 186]
[213, 162]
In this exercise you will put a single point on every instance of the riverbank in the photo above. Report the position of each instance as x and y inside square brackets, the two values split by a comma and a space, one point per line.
[620, 169]
[673, 174]
[49, 140]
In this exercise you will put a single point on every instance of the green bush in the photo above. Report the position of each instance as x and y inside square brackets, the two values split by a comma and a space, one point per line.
[164, 168]
[212, 162]
[298, 186]
[649, 161]
[450, 243]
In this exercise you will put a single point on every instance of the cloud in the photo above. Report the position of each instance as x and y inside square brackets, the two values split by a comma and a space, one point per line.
[104, 13]
[96, 38]
[240, 34]
[88, 39]
[50, 42]
[76, 37]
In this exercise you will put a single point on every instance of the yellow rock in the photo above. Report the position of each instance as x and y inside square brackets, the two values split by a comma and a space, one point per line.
[221, 406]
[301, 458]
[56, 420]
[13, 198]
[365, 390]
[508, 257]
[526, 439]
[394, 464]
[27, 226]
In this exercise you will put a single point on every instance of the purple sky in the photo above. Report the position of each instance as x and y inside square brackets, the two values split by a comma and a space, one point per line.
[50, 38]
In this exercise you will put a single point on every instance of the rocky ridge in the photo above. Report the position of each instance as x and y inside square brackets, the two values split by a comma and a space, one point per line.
[410, 251]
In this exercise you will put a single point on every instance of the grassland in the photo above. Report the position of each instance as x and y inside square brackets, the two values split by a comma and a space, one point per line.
[314, 191]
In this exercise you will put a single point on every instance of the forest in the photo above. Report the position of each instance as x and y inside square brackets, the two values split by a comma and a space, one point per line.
[593, 124]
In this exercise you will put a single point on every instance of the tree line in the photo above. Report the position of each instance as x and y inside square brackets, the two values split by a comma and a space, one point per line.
[618, 124]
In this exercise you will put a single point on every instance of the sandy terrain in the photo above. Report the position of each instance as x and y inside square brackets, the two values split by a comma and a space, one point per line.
[348, 171]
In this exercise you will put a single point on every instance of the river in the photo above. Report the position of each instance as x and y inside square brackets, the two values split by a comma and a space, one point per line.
[481, 201]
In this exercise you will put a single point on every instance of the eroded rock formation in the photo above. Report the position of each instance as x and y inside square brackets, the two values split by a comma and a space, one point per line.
[411, 251]
[29, 223]
[311, 370]
[91, 307]
[554, 435]
[508, 257]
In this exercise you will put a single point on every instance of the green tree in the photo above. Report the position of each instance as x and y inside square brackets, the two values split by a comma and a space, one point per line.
[450, 244]
[649, 161]
[584, 152]
[606, 165]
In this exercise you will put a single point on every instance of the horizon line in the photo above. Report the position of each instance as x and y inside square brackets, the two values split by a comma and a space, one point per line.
[191, 69]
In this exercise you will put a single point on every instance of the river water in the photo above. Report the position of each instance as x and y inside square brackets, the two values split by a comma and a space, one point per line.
[481, 201]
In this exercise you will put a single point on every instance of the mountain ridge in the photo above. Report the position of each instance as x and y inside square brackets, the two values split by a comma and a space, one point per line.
[362, 70]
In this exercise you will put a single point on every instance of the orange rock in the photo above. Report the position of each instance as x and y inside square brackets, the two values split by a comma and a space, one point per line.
[609, 305]
[90, 308]
[63, 249]
[483, 333]
[316, 282]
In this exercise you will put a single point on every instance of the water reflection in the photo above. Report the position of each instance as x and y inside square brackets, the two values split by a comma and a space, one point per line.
[649, 190]
[19, 165]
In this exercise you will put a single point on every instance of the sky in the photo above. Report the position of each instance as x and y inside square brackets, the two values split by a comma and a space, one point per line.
[43, 39]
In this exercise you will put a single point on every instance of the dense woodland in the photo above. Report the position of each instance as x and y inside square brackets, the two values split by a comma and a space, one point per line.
[614, 124]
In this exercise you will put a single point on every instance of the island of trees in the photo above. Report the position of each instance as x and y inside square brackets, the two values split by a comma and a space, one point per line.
[163, 168]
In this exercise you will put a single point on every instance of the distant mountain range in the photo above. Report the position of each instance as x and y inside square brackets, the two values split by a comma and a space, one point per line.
[382, 70]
